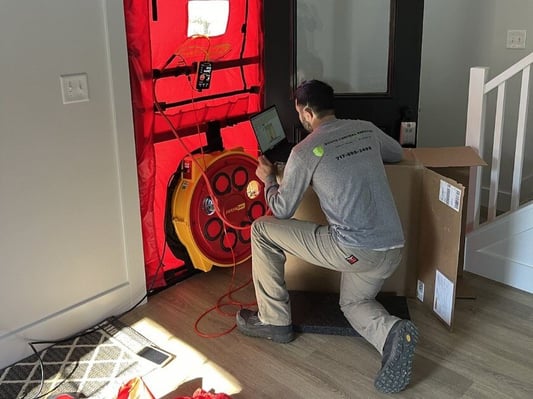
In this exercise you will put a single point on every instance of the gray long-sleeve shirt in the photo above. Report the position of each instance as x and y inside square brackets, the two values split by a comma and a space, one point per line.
[342, 160]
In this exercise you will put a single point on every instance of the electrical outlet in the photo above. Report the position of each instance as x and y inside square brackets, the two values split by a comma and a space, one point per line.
[74, 88]
[408, 133]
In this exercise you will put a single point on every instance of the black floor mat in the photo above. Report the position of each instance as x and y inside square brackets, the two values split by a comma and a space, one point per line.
[320, 313]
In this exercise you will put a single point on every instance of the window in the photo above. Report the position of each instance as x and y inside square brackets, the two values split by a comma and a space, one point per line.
[208, 17]
[345, 42]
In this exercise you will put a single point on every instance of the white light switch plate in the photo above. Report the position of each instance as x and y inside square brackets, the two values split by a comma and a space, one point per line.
[74, 88]
[516, 38]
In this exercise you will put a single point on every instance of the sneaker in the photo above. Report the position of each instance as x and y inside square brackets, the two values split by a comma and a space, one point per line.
[249, 324]
[398, 352]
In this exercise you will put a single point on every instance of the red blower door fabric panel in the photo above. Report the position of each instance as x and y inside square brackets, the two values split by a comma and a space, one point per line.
[163, 64]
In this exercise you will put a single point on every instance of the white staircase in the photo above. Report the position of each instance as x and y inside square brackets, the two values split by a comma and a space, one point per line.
[500, 248]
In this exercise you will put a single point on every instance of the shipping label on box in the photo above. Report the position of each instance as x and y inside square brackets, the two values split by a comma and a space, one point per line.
[450, 195]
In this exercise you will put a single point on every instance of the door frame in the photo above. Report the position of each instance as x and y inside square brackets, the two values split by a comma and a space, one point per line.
[386, 110]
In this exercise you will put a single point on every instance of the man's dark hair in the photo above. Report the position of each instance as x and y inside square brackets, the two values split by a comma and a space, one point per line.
[316, 95]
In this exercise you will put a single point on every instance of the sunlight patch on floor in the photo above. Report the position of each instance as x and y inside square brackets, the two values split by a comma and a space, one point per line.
[188, 365]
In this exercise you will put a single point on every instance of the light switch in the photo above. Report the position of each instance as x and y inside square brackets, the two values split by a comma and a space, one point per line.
[74, 88]
[516, 38]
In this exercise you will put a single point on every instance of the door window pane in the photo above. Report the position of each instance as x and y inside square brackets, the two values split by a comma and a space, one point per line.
[208, 17]
[345, 43]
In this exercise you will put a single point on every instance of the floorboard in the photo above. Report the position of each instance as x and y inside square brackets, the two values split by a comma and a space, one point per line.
[489, 353]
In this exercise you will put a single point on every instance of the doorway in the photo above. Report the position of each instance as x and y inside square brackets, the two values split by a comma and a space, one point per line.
[386, 98]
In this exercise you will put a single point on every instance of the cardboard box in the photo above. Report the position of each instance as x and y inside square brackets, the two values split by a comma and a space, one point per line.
[441, 160]
[430, 200]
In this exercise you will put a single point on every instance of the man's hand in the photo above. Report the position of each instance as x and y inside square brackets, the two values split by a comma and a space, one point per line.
[265, 168]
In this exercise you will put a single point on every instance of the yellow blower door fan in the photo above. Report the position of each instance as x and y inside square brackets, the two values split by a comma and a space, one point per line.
[225, 180]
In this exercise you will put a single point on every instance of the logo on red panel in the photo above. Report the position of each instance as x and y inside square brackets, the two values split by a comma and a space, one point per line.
[352, 259]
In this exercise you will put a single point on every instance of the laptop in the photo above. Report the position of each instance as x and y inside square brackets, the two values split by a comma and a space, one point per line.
[270, 135]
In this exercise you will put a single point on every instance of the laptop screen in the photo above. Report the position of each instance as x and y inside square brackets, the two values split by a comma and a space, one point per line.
[267, 128]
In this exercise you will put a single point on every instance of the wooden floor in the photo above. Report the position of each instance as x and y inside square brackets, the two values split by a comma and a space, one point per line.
[489, 354]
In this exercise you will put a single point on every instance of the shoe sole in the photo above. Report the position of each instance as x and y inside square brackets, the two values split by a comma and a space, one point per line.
[280, 339]
[396, 375]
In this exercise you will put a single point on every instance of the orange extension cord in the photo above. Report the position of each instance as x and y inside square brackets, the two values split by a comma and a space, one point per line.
[220, 304]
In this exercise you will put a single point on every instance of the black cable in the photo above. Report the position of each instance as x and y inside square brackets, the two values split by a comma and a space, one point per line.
[149, 289]
[41, 365]
[38, 395]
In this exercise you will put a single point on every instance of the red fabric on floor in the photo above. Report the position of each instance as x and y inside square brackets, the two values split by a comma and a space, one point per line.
[201, 394]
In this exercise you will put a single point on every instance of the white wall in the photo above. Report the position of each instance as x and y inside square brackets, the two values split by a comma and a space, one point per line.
[459, 35]
[70, 237]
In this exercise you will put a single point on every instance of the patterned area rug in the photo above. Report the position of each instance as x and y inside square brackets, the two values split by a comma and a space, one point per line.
[94, 365]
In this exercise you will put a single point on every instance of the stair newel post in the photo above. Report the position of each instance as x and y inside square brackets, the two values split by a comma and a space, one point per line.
[475, 132]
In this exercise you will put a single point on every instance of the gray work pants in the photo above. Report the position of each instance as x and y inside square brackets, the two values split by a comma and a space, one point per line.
[363, 273]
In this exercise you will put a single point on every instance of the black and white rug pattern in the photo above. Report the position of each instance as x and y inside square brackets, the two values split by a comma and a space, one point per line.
[94, 365]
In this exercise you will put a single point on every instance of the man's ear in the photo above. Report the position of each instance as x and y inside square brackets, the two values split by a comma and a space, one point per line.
[308, 111]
